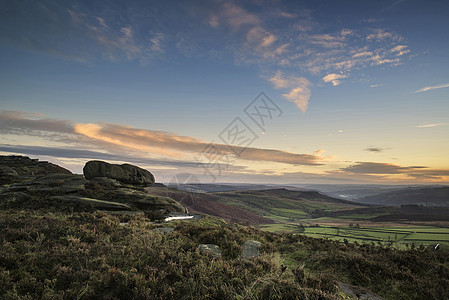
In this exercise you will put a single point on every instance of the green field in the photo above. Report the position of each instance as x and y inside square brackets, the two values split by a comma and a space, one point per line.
[400, 237]
[319, 216]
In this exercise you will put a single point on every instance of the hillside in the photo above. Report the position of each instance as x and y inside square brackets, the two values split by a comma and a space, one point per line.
[61, 255]
[65, 237]
[429, 196]
[205, 203]
[285, 205]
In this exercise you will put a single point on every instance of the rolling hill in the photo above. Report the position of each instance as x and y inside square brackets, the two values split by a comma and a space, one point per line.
[429, 196]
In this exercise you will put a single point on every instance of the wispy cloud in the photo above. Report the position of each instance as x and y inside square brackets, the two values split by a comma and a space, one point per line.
[380, 168]
[173, 145]
[433, 87]
[376, 85]
[78, 32]
[376, 149]
[432, 125]
[334, 78]
[147, 142]
[262, 35]
[299, 89]
[388, 169]
[400, 50]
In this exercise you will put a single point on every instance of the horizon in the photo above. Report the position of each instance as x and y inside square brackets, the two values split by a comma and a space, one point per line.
[253, 92]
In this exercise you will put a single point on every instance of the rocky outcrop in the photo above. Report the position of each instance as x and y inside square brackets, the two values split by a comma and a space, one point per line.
[56, 183]
[14, 168]
[142, 200]
[25, 166]
[104, 187]
[125, 173]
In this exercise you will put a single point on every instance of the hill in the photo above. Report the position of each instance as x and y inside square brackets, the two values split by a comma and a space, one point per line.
[429, 196]
[285, 205]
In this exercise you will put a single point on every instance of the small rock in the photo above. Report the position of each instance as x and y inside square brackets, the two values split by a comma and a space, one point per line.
[164, 229]
[250, 249]
[210, 249]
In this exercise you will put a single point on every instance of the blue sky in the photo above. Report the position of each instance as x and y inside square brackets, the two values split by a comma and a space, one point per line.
[358, 90]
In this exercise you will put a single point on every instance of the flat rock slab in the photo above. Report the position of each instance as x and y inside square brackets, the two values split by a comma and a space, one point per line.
[210, 249]
[250, 249]
[61, 183]
[100, 204]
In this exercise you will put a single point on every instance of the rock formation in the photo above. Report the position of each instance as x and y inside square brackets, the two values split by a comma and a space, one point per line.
[125, 173]
[104, 186]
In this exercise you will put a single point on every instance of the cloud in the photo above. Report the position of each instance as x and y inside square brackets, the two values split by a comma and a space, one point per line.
[376, 149]
[393, 170]
[173, 145]
[236, 16]
[434, 87]
[299, 89]
[89, 154]
[432, 125]
[379, 34]
[379, 168]
[326, 40]
[400, 50]
[376, 85]
[15, 122]
[334, 78]
[113, 137]
[81, 32]
[393, 5]
[362, 54]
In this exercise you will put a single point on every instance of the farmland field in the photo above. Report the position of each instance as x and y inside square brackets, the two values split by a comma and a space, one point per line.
[400, 237]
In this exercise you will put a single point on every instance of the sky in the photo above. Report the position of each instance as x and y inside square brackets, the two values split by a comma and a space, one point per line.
[253, 91]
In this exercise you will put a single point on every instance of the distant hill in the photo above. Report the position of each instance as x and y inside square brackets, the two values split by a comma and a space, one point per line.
[211, 187]
[429, 196]
[286, 205]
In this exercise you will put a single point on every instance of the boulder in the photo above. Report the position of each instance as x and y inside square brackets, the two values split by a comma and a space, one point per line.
[125, 173]
[250, 249]
[210, 249]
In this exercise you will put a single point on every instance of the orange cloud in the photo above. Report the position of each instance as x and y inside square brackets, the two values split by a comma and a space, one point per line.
[158, 142]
